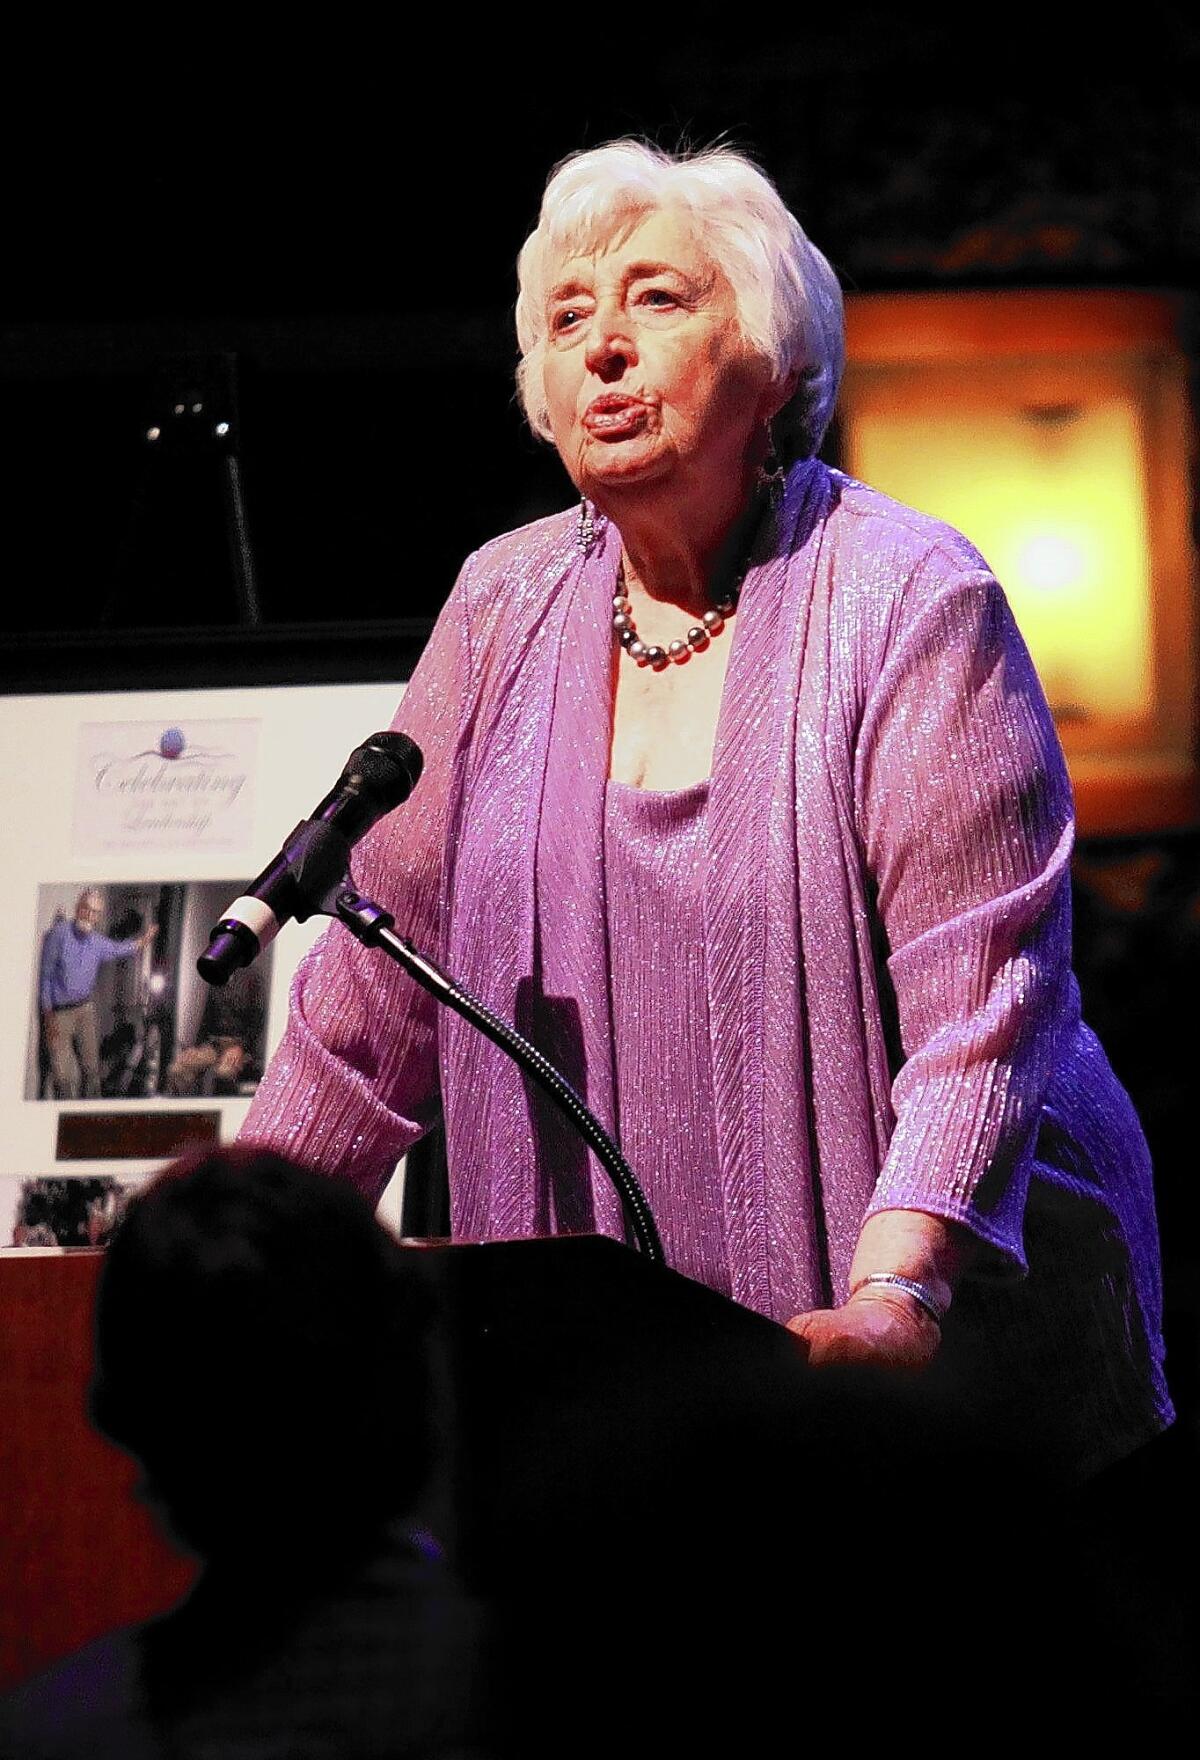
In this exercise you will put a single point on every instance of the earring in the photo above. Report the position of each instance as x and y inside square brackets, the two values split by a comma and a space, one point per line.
[771, 475]
[587, 531]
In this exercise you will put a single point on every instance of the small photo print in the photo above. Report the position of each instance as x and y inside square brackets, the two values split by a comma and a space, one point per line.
[119, 1011]
[74, 1211]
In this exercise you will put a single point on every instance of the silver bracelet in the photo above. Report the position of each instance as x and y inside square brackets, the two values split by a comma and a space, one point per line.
[919, 1293]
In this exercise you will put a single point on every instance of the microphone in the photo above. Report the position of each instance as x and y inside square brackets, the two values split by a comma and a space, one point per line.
[379, 776]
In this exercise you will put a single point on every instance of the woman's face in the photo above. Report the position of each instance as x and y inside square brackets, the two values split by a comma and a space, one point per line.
[649, 382]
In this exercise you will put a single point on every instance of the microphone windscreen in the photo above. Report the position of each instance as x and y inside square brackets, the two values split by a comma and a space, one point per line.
[390, 765]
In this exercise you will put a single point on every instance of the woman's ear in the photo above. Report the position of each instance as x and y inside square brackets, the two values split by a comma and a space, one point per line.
[780, 394]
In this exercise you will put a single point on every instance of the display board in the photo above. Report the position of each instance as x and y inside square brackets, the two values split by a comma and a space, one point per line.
[132, 820]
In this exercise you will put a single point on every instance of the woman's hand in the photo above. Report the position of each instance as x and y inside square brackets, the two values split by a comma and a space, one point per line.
[879, 1326]
[881, 1323]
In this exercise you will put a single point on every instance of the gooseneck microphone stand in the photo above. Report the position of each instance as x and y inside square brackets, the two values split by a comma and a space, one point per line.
[316, 864]
[371, 925]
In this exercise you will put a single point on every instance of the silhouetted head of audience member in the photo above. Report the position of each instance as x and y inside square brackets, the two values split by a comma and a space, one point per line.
[262, 1352]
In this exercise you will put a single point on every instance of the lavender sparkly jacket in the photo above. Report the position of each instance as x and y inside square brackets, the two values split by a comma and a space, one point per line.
[894, 1022]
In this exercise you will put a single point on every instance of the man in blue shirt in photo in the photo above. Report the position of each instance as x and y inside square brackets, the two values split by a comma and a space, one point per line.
[72, 954]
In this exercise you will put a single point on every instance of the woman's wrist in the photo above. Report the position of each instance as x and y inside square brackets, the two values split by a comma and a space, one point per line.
[913, 1246]
[893, 1283]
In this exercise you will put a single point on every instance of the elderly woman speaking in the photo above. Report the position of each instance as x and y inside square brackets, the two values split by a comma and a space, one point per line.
[742, 799]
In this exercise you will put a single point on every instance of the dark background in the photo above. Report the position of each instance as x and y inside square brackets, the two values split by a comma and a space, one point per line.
[341, 211]
[343, 216]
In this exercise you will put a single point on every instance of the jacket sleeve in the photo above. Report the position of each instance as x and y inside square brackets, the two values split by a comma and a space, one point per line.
[110, 950]
[966, 815]
[354, 1082]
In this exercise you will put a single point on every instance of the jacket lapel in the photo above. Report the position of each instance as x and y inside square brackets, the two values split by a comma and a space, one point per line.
[755, 996]
[570, 991]
[525, 908]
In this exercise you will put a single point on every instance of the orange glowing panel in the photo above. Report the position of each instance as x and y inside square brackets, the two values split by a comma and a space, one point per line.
[1054, 429]
[1053, 494]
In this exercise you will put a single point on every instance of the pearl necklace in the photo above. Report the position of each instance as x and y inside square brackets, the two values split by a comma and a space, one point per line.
[650, 654]
[701, 634]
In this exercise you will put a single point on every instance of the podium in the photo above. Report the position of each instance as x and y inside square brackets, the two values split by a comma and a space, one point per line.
[580, 1382]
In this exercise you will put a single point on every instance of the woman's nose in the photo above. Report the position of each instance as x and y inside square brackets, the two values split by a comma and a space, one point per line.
[610, 348]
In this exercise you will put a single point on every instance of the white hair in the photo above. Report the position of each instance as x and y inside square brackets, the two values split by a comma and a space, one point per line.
[788, 300]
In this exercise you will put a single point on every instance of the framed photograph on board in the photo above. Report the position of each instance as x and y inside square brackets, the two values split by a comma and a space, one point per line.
[138, 816]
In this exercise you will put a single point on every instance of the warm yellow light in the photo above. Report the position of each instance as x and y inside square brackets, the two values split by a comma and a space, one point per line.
[1052, 562]
[1052, 426]
[1052, 492]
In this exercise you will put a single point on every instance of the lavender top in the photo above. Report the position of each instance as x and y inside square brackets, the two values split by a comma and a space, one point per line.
[655, 861]
[892, 1019]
